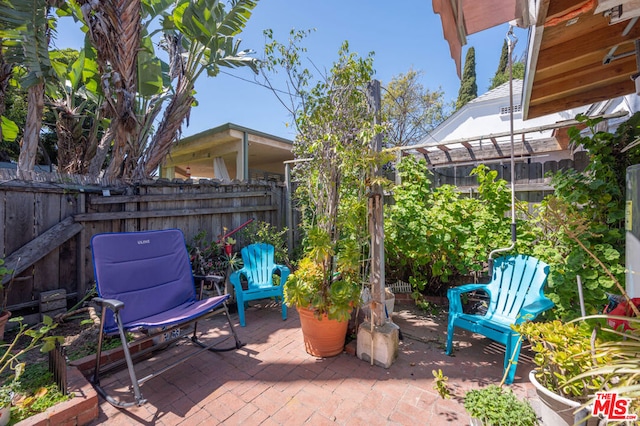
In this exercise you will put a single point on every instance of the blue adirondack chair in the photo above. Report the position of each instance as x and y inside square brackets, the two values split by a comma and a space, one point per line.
[258, 270]
[515, 295]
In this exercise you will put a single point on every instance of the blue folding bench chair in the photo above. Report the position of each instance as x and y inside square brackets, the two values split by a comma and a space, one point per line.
[144, 283]
[515, 295]
[258, 270]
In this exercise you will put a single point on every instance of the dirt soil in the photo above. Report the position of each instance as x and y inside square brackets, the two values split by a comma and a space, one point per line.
[80, 334]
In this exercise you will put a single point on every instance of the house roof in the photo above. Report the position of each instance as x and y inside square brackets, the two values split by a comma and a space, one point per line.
[501, 92]
[580, 51]
[265, 152]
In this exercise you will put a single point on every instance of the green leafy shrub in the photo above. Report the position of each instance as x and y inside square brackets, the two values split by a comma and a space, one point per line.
[566, 236]
[438, 236]
[264, 232]
[499, 407]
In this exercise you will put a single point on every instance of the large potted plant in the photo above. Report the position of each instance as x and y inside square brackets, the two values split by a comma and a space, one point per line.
[620, 372]
[562, 352]
[335, 125]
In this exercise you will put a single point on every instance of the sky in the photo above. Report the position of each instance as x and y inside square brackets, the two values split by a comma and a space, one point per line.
[404, 34]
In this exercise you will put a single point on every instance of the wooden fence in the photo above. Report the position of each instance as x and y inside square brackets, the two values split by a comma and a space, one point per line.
[49, 219]
[527, 172]
[47, 226]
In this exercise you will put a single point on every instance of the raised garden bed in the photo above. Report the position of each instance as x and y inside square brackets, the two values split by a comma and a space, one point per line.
[80, 410]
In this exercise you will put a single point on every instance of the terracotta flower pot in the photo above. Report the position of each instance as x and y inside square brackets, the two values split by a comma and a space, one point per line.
[322, 338]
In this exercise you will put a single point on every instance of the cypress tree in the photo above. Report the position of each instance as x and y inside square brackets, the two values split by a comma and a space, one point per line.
[504, 58]
[502, 72]
[468, 86]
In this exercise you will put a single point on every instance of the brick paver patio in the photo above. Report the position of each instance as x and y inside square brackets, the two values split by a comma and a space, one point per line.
[273, 381]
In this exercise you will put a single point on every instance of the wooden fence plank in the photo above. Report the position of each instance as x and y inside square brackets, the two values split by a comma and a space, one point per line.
[88, 217]
[36, 249]
[47, 214]
[146, 198]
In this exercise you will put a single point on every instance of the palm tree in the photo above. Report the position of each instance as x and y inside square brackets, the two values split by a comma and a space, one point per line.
[25, 42]
[200, 37]
[133, 90]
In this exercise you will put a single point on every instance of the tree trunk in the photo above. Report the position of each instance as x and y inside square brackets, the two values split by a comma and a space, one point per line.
[97, 159]
[29, 146]
[114, 29]
[72, 144]
[177, 110]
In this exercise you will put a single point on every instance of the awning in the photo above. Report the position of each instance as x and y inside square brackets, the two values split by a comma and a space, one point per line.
[580, 51]
[461, 18]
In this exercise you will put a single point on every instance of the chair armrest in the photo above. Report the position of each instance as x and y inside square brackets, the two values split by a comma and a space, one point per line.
[466, 288]
[113, 304]
[454, 295]
[532, 310]
[284, 273]
[234, 278]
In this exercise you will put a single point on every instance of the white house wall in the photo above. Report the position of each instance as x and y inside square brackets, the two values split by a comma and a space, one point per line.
[481, 117]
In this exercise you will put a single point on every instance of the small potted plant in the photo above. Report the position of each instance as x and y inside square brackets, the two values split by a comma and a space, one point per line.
[496, 406]
[226, 242]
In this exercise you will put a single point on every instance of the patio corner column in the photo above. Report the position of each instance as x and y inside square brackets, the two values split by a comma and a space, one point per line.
[378, 338]
[242, 159]
[288, 207]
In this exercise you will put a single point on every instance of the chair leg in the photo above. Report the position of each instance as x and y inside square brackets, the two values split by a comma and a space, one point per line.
[241, 304]
[512, 351]
[284, 309]
[139, 400]
[450, 328]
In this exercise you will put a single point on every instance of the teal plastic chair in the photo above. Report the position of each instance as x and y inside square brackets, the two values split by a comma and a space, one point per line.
[515, 295]
[258, 270]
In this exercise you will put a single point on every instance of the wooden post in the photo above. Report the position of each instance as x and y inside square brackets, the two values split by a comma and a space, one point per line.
[288, 207]
[376, 220]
